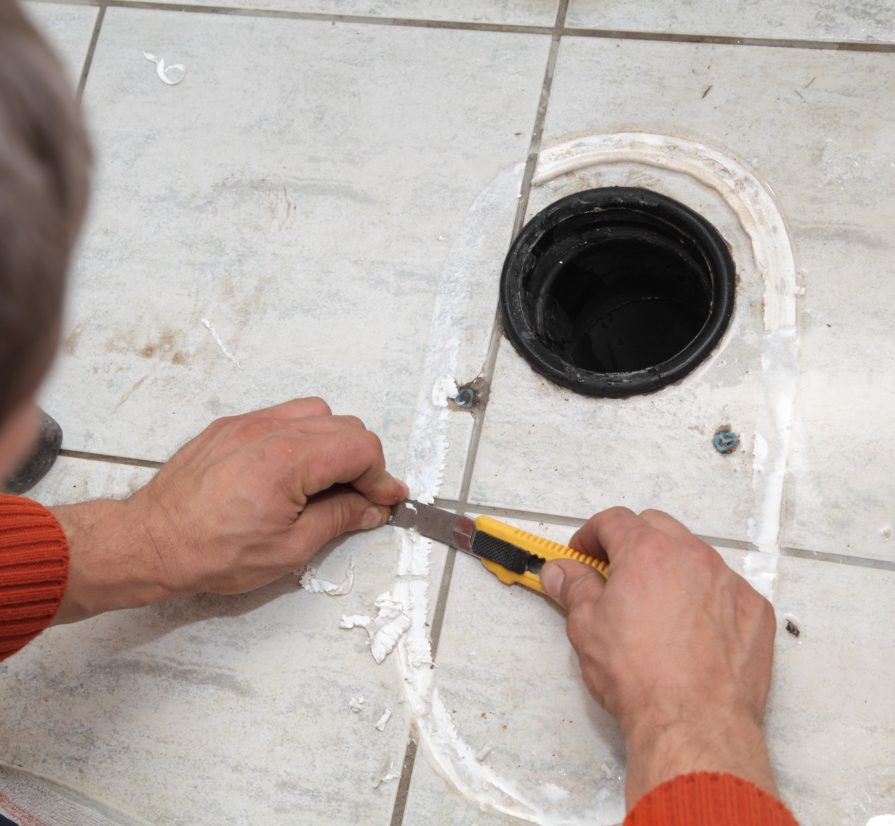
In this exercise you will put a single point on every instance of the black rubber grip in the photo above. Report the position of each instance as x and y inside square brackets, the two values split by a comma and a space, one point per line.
[503, 553]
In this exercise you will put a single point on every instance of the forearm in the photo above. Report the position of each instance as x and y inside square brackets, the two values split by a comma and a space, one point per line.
[113, 560]
[729, 745]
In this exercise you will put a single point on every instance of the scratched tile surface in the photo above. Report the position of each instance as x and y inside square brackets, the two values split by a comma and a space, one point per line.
[268, 196]
[68, 29]
[817, 126]
[866, 20]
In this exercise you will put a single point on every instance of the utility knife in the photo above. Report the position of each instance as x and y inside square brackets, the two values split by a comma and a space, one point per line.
[511, 554]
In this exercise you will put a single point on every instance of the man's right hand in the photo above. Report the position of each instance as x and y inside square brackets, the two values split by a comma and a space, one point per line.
[675, 644]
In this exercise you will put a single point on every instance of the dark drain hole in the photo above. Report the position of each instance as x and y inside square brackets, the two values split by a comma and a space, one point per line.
[617, 291]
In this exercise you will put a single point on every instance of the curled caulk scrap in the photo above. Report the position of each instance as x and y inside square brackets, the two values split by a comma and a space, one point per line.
[169, 75]
[311, 582]
[385, 629]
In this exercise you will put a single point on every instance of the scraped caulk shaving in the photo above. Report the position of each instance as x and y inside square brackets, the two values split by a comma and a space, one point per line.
[382, 722]
[385, 629]
[170, 75]
[311, 582]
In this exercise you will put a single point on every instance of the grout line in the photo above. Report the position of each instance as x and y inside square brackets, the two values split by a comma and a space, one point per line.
[403, 791]
[88, 60]
[531, 161]
[727, 40]
[717, 541]
[512, 28]
[282, 14]
[115, 460]
[438, 614]
[839, 559]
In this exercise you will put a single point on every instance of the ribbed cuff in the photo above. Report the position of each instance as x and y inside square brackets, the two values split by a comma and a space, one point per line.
[709, 798]
[33, 571]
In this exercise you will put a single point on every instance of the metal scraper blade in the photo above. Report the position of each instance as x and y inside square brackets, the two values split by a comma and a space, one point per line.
[435, 523]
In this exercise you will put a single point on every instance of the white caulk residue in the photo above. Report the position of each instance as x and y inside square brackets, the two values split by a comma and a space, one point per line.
[882, 820]
[382, 722]
[311, 582]
[385, 629]
[759, 216]
[170, 75]
[220, 342]
[356, 704]
[442, 390]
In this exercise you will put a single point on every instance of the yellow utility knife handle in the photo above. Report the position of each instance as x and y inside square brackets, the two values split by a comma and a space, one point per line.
[532, 544]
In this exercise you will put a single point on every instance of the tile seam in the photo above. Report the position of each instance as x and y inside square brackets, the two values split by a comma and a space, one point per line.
[282, 14]
[731, 40]
[531, 160]
[91, 48]
[400, 805]
[111, 459]
[719, 541]
[878, 46]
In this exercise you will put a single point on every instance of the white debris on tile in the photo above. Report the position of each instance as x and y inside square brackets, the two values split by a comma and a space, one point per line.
[384, 773]
[170, 75]
[482, 753]
[312, 583]
[382, 722]
[882, 820]
[220, 342]
[385, 629]
[443, 390]
[356, 704]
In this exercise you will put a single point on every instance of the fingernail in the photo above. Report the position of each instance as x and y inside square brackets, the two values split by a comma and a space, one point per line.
[552, 577]
[372, 518]
[403, 491]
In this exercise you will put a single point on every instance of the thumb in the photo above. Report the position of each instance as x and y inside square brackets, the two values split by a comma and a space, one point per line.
[570, 583]
[336, 512]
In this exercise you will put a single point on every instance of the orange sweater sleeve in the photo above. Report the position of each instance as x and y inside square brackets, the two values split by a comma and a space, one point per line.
[33, 571]
[706, 799]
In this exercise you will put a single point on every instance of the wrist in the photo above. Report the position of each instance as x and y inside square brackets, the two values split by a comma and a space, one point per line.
[730, 743]
[114, 560]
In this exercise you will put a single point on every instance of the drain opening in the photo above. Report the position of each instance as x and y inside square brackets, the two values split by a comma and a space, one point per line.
[617, 291]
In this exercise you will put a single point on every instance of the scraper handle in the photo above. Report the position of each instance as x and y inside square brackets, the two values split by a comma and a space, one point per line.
[492, 532]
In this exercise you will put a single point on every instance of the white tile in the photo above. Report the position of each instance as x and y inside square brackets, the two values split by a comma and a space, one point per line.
[507, 674]
[831, 714]
[77, 480]
[518, 12]
[825, 152]
[217, 709]
[68, 29]
[302, 190]
[868, 20]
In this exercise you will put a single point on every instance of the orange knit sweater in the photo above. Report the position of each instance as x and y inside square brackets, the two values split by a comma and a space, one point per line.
[709, 799]
[33, 574]
[33, 571]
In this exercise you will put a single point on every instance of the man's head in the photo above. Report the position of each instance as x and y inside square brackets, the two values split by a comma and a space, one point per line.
[44, 164]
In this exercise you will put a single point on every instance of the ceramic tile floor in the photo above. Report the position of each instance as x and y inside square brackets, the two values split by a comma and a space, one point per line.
[304, 190]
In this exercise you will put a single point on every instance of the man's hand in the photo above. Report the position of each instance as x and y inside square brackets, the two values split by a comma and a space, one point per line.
[248, 500]
[676, 645]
